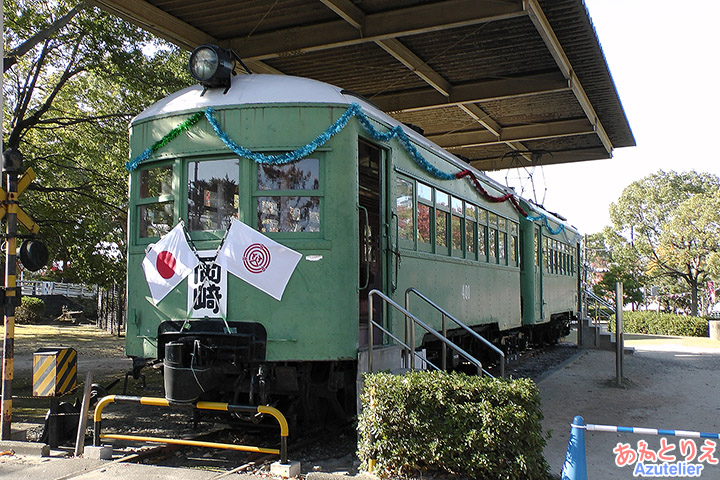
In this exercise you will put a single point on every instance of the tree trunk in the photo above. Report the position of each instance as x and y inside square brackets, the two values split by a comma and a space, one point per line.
[694, 298]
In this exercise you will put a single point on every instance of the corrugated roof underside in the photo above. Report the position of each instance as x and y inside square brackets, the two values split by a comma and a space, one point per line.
[571, 23]
[507, 48]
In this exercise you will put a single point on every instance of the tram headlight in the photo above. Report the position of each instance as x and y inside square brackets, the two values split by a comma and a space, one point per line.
[212, 66]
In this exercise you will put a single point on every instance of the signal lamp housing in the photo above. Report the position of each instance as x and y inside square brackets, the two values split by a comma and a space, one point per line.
[33, 255]
[212, 66]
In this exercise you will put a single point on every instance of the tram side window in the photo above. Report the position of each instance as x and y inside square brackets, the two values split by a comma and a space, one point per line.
[424, 217]
[212, 187]
[404, 208]
[482, 235]
[288, 196]
[155, 202]
[456, 228]
[502, 241]
[559, 253]
[513, 244]
[471, 231]
[537, 248]
[559, 258]
[442, 212]
[546, 254]
[492, 237]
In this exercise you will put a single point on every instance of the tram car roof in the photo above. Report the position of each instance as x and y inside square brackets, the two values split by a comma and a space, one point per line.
[259, 89]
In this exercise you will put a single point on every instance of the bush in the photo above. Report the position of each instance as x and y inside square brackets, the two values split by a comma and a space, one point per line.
[31, 310]
[655, 323]
[433, 421]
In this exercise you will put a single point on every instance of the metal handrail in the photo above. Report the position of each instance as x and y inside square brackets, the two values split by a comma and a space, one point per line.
[599, 299]
[427, 327]
[445, 314]
[602, 307]
[405, 345]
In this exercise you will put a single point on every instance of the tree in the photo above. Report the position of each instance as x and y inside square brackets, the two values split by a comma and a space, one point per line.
[688, 241]
[650, 210]
[607, 285]
[78, 77]
[615, 261]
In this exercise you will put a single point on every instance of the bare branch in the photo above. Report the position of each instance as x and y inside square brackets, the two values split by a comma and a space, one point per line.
[27, 122]
[12, 56]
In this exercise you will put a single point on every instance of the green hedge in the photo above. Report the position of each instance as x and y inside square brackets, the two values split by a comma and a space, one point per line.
[31, 310]
[454, 423]
[655, 323]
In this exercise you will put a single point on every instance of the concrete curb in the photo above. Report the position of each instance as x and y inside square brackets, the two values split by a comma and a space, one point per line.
[337, 476]
[26, 448]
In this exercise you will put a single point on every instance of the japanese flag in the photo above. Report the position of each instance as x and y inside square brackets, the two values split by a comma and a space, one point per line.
[258, 260]
[168, 262]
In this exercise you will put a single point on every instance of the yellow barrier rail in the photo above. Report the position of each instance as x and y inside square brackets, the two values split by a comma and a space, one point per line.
[225, 407]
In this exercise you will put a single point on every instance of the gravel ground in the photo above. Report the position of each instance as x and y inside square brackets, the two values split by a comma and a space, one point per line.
[329, 450]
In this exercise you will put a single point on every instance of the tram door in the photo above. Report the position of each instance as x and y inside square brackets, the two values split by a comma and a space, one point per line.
[370, 201]
[540, 263]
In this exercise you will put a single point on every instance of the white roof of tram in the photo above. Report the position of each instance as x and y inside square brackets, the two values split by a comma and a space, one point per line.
[258, 89]
[250, 90]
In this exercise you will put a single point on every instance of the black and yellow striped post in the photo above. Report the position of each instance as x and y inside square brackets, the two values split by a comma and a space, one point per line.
[10, 293]
[12, 165]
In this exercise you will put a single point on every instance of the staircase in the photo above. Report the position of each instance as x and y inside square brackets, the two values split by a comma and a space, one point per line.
[593, 333]
[402, 355]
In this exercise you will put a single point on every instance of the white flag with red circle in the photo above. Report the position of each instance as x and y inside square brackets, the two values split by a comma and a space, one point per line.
[258, 260]
[168, 262]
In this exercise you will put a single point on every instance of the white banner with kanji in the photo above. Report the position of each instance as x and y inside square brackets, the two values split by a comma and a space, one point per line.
[207, 288]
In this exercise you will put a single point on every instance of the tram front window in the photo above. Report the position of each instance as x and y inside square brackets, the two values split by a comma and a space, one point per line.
[212, 194]
[155, 201]
[288, 197]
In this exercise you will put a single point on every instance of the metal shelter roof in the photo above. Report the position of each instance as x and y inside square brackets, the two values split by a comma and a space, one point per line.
[499, 82]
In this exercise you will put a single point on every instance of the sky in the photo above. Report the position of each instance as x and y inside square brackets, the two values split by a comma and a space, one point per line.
[664, 58]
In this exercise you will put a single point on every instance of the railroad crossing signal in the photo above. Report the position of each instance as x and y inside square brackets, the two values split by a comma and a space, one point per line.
[22, 217]
[10, 293]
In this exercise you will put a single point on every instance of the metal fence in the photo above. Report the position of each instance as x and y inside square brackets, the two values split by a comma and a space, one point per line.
[110, 301]
[72, 290]
[111, 309]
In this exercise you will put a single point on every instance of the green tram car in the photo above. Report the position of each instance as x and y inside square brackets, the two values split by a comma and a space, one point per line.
[365, 213]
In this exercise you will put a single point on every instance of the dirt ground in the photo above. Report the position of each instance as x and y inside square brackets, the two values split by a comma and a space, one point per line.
[669, 383]
[97, 350]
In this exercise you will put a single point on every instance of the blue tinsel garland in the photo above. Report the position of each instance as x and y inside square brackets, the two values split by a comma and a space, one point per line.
[554, 231]
[355, 110]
